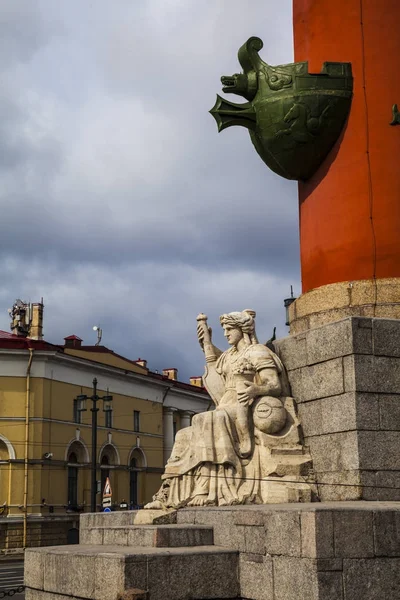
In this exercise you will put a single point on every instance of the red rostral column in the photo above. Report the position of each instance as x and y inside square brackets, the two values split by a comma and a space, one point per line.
[350, 208]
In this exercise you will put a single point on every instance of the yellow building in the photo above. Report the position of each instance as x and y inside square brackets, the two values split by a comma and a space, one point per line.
[45, 436]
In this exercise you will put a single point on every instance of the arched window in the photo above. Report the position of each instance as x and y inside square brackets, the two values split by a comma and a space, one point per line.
[72, 480]
[137, 462]
[133, 482]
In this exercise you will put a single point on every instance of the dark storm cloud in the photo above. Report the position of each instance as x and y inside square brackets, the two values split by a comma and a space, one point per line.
[121, 204]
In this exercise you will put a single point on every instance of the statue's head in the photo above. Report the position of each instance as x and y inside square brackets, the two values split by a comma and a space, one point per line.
[238, 325]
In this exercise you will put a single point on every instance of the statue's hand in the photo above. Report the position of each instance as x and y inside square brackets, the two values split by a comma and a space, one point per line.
[201, 333]
[248, 391]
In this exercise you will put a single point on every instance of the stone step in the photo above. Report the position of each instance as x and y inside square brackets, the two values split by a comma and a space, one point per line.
[127, 517]
[152, 536]
[104, 572]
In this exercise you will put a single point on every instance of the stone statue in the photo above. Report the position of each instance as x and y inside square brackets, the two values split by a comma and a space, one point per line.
[248, 449]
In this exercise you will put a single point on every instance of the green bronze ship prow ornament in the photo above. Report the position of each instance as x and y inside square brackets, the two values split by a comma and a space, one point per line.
[294, 117]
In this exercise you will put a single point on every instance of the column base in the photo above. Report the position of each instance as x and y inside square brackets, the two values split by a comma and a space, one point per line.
[329, 303]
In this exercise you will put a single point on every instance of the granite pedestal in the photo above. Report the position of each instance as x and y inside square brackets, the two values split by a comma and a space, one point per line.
[345, 377]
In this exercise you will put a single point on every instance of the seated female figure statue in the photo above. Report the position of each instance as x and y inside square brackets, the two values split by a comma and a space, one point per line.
[216, 461]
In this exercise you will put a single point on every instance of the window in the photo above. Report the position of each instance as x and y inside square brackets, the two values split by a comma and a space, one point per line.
[133, 483]
[174, 428]
[108, 418]
[136, 420]
[77, 418]
[72, 481]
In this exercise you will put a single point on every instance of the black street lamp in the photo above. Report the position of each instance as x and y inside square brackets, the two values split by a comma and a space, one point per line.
[94, 410]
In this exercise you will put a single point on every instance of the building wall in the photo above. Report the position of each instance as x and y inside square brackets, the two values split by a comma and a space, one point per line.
[54, 383]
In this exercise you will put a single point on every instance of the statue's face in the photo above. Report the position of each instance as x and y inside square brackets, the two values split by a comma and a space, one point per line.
[232, 334]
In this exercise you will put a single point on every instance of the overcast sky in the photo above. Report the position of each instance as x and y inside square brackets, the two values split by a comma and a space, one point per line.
[121, 205]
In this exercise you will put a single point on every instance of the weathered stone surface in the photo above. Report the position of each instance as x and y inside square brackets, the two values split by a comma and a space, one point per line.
[155, 517]
[330, 564]
[177, 536]
[91, 535]
[193, 575]
[293, 351]
[133, 594]
[387, 533]
[115, 536]
[386, 337]
[334, 452]
[353, 534]
[387, 485]
[317, 534]
[295, 578]
[349, 336]
[345, 412]
[389, 412]
[318, 381]
[282, 533]
[109, 576]
[256, 578]
[34, 568]
[330, 586]
[379, 450]
[366, 373]
[57, 573]
[368, 579]
[346, 485]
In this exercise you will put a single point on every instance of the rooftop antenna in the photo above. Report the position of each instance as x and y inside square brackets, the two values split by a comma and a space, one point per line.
[99, 334]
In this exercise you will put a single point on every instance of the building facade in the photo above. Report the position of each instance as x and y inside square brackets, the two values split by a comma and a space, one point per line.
[45, 433]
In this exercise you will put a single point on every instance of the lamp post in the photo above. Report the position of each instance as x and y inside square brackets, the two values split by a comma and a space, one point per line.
[94, 410]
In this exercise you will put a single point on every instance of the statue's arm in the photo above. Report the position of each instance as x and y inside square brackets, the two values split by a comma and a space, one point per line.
[269, 385]
[213, 381]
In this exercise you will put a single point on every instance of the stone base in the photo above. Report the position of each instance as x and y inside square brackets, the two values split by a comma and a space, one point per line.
[345, 377]
[329, 303]
[313, 551]
[318, 551]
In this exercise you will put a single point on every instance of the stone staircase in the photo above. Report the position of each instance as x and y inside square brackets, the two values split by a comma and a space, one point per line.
[120, 558]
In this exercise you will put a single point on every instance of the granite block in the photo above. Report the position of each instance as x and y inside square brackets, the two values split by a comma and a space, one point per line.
[317, 535]
[134, 572]
[256, 579]
[255, 539]
[295, 578]
[292, 351]
[91, 536]
[330, 341]
[334, 452]
[387, 533]
[376, 374]
[353, 534]
[282, 533]
[379, 450]
[330, 586]
[34, 568]
[109, 576]
[388, 485]
[330, 564]
[59, 565]
[317, 381]
[389, 412]
[367, 579]
[386, 337]
[115, 536]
